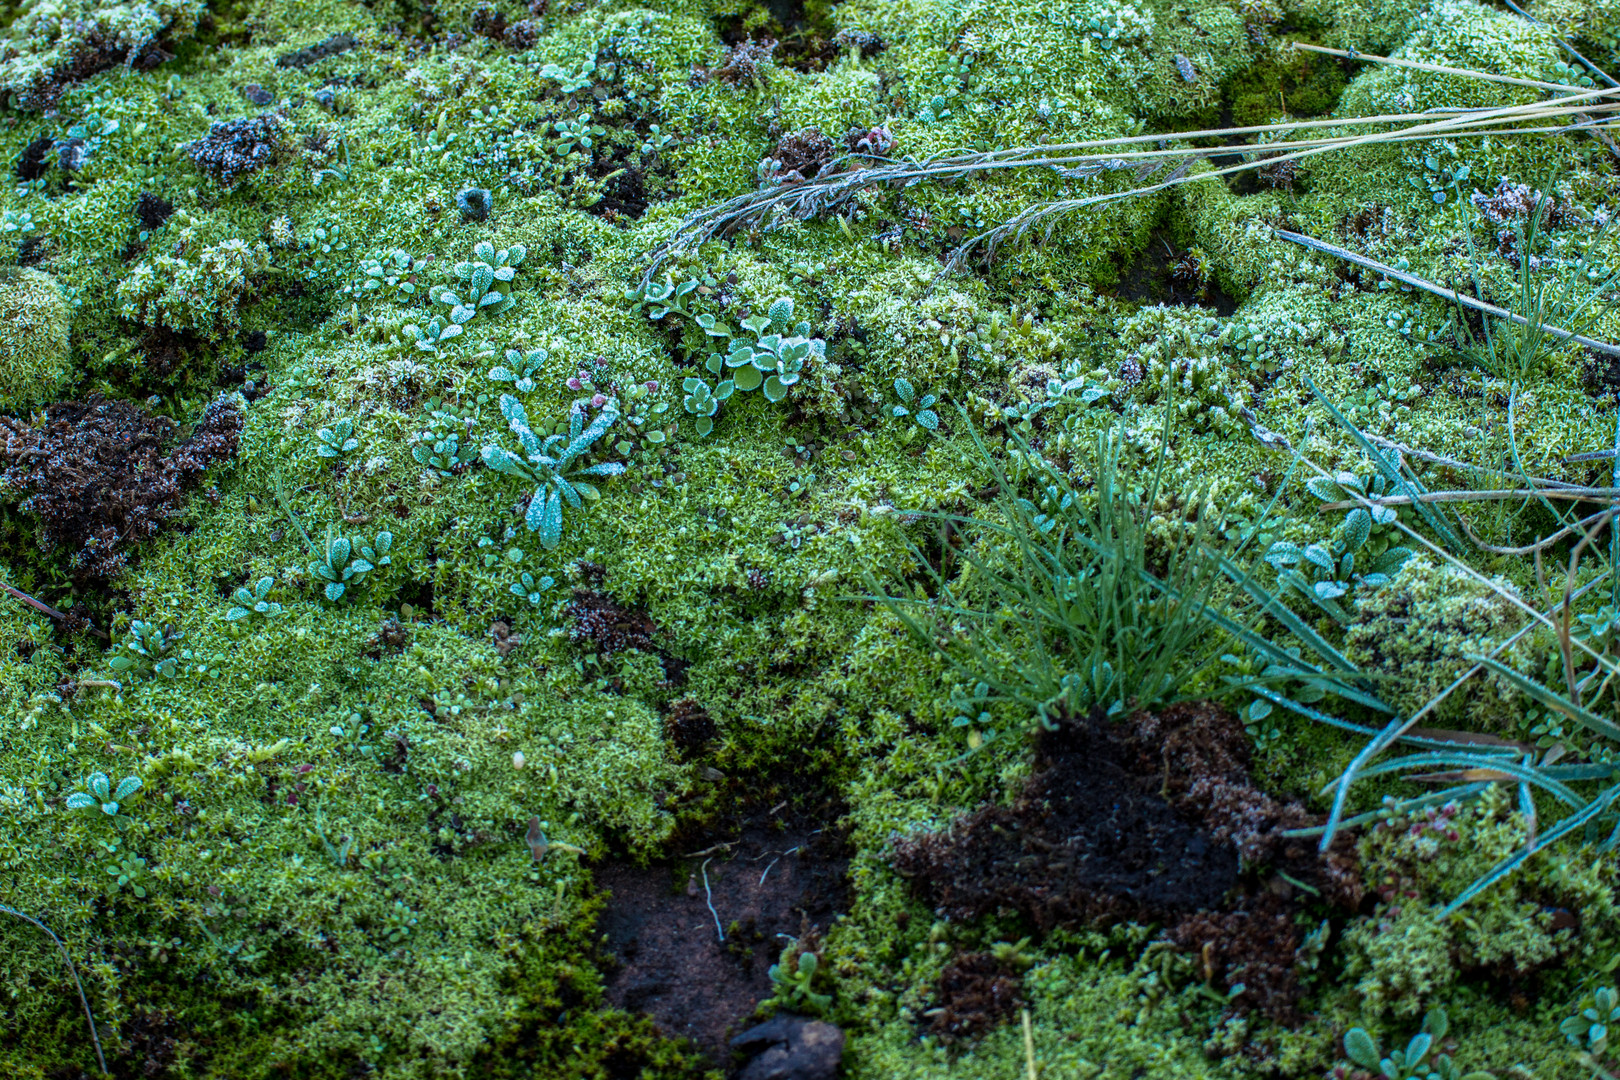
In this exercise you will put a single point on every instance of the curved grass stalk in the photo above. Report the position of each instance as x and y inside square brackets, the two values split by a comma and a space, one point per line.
[72, 970]
[836, 185]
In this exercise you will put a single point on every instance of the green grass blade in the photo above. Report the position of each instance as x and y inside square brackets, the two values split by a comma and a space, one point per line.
[1502, 869]
[1403, 485]
[1553, 700]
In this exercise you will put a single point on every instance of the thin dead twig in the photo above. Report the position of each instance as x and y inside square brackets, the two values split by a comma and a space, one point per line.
[1407, 278]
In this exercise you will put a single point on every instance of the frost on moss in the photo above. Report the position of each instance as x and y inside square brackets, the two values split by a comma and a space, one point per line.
[35, 358]
[1405, 958]
[52, 43]
[1420, 633]
[198, 296]
[330, 830]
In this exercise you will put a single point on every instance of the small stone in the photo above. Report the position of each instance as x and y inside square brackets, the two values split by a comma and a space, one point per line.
[790, 1047]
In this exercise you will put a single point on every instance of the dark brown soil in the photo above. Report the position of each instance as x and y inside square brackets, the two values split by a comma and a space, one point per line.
[1145, 821]
[975, 993]
[1162, 275]
[1089, 838]
[765, 887]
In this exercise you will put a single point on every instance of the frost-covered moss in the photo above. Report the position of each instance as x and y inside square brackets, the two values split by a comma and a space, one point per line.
[35, 358]
[324, 870]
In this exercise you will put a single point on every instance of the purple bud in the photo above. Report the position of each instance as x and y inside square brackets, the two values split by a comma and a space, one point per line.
[598, 400]
[573, 384]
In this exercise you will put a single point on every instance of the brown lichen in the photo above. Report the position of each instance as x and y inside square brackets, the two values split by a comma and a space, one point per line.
[96, 475]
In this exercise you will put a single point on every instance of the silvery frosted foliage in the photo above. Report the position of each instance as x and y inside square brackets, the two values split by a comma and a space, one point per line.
[102, 794]
[254, 601]
[552, 464]
[337, 440]
[345, 562]
[146, 650]
[393, 276]
[920, 408]
[486, 283]
[775, 361]
[520, 369]
[703, 402]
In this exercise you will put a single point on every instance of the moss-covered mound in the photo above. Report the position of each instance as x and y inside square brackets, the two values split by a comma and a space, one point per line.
[416, 516]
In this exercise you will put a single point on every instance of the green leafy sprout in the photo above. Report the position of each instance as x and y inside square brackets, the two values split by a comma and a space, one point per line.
[1414, 1062]
[337, 440]
[793, 980]
[520, 369]
[703, 402]
[254, 602]
[552, 464]
[920, 409]
[346, 562]
[103, 795]
[146, 650]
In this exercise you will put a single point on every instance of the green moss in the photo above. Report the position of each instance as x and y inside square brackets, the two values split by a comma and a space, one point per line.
[276, 933]
[35, 358]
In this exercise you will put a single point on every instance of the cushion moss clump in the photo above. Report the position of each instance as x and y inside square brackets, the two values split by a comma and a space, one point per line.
[35, 356]
[369, 827]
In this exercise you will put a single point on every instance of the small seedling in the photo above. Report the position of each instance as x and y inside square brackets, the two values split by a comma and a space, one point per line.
[102, 794]
[254, 602]
[337, 440]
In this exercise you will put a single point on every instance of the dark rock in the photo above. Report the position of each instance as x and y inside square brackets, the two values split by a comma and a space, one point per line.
[36, 158]
[474, 203]
[257, 94]
[153, 209]
[790, 1047]
[302, 58]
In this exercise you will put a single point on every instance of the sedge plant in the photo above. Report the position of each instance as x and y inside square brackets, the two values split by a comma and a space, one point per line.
[1068, 601]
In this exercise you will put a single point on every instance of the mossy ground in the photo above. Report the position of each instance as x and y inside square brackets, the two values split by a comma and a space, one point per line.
[324, 873]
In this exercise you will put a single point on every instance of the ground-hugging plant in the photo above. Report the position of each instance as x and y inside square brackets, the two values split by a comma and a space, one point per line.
[147, 650]
[337, 440]
[1327, 573]
[553, 464]
[770, 357]
[1588, 1030]
[393, 276]
[254, 602]
[775, 360]
[103, 795]
[344, 562]
[1414, 1062]
[793, 980]
[520, 369]
[703, 402]
[486, 283]
[920, 409]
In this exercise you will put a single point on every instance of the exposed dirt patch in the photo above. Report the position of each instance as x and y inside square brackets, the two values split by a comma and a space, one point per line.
[690, 727]
[768, 885]
[1096, 840]
[1164, 274]
[1144, 820]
